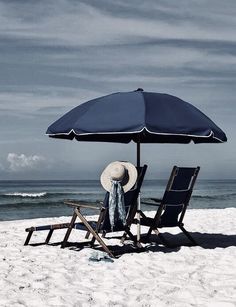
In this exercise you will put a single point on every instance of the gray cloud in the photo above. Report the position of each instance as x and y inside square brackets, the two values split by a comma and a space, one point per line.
[82, 23]
[21, 162]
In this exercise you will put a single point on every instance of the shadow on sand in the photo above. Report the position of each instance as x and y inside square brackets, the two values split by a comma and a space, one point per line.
[204, 240]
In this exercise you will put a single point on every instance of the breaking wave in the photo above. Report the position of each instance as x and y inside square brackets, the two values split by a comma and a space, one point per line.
[19, 194]
[215, 197]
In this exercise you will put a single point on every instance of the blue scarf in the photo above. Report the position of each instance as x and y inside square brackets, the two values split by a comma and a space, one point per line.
[116, 204]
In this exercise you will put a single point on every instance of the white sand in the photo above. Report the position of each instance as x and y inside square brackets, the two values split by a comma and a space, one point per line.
[203, 275]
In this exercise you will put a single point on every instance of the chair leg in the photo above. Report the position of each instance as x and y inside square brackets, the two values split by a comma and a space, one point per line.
[94, 233]
[123, 238]
[188, 235]
[131, 236]
[98, 226]
[158, 234]
[162, 238]
[155, 222]
[87, 235]
[28, 238]
[68, 232]
[129, 233]
[150, 232]
[49, 236]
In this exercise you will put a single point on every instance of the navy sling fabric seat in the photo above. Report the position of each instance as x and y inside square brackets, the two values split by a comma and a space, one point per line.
[174, 203]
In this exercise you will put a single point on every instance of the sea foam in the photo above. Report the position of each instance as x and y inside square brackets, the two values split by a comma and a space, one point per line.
[19, 194]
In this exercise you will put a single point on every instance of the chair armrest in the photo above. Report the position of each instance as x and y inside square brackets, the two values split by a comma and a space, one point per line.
[151, 203]
[157, 200]
[83, 204]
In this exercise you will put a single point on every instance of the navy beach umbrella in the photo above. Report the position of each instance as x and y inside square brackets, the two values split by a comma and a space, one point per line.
[139, 116]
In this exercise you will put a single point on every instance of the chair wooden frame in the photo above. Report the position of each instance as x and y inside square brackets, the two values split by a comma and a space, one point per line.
[92, 227]
[53, 227]
[95, 232]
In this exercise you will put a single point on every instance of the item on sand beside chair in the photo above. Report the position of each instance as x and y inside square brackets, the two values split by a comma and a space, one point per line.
[100, 256]
[173, 205]
[102, 225]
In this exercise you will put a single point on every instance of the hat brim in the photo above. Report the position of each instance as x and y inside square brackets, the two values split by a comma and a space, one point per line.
[132, 176]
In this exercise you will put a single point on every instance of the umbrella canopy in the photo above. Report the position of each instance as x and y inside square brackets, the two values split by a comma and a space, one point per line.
[139, 116]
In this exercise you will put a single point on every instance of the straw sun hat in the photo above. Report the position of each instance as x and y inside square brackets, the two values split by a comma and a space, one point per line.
[125, 172]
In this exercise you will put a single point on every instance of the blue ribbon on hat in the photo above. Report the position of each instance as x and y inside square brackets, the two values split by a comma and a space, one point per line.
[116, 203]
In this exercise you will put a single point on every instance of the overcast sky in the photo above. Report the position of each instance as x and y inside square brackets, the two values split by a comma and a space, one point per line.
[54, 55]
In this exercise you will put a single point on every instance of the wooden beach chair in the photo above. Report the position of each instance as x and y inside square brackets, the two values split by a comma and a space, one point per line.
[173, 205]
[97, 229]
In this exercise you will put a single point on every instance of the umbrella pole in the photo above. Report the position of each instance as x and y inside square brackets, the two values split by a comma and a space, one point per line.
[139, 198]
[138, 154]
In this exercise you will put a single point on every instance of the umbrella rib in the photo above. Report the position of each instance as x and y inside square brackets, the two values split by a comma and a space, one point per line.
[138, 131]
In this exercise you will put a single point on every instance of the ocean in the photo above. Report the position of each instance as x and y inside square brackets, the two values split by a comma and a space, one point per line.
[34, 199]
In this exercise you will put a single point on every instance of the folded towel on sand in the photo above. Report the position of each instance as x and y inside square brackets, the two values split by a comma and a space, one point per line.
[100, 256]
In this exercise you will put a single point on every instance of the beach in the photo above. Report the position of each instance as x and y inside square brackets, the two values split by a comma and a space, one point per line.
[84, 84]
[203, 275]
